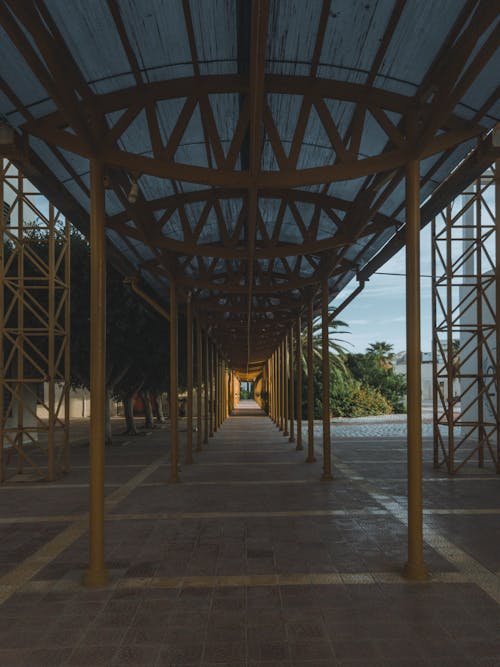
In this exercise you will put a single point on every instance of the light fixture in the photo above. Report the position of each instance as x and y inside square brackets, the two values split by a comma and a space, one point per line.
[133, 192]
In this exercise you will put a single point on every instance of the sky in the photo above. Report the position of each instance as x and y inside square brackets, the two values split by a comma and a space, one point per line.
[378, 312]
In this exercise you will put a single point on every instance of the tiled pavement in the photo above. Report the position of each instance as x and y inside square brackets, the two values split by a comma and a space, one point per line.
[251, 560]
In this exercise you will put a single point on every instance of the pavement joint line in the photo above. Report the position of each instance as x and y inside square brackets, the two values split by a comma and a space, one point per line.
[225, 482]
[172, 516]
[249, 581]
[20, 575]
[475, 572]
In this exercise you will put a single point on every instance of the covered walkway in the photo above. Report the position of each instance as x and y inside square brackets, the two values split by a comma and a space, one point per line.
[250, 560]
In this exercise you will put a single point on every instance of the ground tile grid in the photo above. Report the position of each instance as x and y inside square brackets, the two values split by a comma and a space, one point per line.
[249, 590]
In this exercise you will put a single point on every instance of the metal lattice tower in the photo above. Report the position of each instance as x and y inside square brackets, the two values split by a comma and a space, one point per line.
[34, 331]
[465, 333]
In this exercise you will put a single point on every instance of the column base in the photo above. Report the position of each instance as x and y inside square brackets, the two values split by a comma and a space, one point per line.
[327, 477]
[299, 448]
[286, 434]
[415, 572]
[310, 459]
[198, 449]
[189, 461]
[174, 479]
[95, 578]
[291, 438]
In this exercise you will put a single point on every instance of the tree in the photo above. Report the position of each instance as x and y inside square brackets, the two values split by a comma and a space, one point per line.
[137, 338]
[368, 370]
[383, 352]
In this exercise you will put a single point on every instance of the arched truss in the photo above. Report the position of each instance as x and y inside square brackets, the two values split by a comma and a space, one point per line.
[251, 216]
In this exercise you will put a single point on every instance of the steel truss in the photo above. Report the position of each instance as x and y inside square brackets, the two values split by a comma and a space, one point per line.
[34, 331]
[465, 247]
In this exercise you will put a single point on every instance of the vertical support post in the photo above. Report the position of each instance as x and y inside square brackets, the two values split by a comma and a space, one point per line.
[291, 396]
[96, 574]
[216, 388]
[286, 392]
[325, 372]
[199, 384]
[206, 393]
[189, 345]
[211, 389]
[174, 370]
[415, 567]
[281, 374]
[310, 384]
[299, 384]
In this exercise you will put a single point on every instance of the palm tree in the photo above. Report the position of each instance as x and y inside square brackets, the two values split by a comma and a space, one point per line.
[383, 352]
[335, 346]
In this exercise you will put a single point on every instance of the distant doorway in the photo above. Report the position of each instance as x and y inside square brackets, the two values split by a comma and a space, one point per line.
[246, 390]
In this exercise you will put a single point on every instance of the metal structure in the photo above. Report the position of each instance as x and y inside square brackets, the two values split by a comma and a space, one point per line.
[465, 246]
[256, 156]
[34, 331]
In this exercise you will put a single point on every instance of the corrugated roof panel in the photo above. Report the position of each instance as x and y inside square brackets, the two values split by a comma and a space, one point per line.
[268, 158]
[136, 138]
[17, 75]
[416, 42]
[74, 189]
[226, 110]
[373, 140]
[173, 227]
[289, 232]
[155, 188]
[353, 34]
[316, 148]
[168, 112]
[122, 246]
[113, 204]
[192, 148]
[158, 36]
[231, 209]
[210, 232]
[215, 31]
[89, 30]
[341, 113]
[193, 212]
[292, 36]
[49, 159]
[346, 189]
[79, 163]
[285, 111]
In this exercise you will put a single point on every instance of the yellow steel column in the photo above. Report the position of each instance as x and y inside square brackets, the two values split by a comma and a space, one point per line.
[189, 345]
[199, 384]
[310, 384]
[325, 372]
[280, 381]
[206, 387]
[286, 393]
[291, 402]
[299, 384]
[211, 389]
[97, 574]
[174, 365]
[216, 389]
[415, 567]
